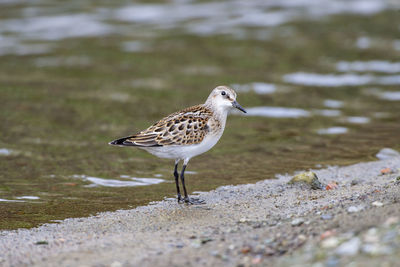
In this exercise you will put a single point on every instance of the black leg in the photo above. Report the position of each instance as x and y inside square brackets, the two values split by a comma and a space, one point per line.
[176, 174]
[187, 199]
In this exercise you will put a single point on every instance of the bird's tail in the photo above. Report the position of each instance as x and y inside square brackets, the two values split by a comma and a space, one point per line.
[136, 140]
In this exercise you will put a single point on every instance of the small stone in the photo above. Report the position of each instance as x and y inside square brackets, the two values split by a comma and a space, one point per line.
[332, 261]
[327, 234]
[376, 249]
[269, 251]
[225, 257]
[354, 209]
[116, 264]
[302, 237]
[256, 260]
[386, 171]
[331, 186]
[42, 242]
[268, 241]
[377, 204]
[196, 243]
[354, 182]
[214, 253]
[179, 245]
[349, 248]
[326, 216]
[390, 221]
[297, 222]
[243, 220]
[309, 178]
[371, 236]
[245, 249]
[330, 242]
[206, 240]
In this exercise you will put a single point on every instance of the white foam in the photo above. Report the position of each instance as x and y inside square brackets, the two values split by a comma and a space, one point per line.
[134, 181]
[330, 103]
[56, 27]
[333, 80]
[61, 61]
[5, 152]
[387, 153]
[327, 80]
[230, 17]
[28, 197]
[328, 112]
[363, 42]
[365, 66]
[201, 18]
[358, 119]
[276, 112]
[10, 200]
[257, 87]
[14, 46]
[134, 46]
[333, 130]
[396, 45]
[392, 96]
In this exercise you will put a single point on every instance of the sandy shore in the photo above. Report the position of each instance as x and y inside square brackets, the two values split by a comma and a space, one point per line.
[270, 222]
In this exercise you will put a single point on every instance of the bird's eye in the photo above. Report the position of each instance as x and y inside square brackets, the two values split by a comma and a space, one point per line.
[223, 93]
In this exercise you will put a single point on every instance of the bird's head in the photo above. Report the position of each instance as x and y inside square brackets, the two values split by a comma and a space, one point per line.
[224, 97]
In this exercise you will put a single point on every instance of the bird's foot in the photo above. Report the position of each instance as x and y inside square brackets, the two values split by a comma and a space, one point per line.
[194, 201]
[180, 199]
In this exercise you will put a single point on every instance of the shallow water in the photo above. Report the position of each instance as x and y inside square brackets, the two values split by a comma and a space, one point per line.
[319, 79]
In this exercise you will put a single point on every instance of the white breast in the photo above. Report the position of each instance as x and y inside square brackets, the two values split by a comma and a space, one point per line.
[184, 152]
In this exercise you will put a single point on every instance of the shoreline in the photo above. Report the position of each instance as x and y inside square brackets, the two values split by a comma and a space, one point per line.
[263, 223]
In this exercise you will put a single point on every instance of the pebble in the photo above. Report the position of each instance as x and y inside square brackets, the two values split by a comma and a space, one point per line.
[371, 236]
[354, 182]
[243, 220]
[332, 262]
[116, 264]
[214, 253]
[297, 222]
[327, 234]
[179, 245]
[377, 204]
[196, 243]
[331, 242]
[391, 220]
[354, 209]
[376, 249]
[309, 178]
[245, 249]
[349, 248]
[42, 242]
[256, 260]
[327, 216]
[268, 241]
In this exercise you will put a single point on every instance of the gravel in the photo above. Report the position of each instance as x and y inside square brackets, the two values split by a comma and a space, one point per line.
[268, 223]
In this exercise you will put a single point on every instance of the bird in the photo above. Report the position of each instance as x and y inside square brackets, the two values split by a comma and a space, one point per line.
[187, 133]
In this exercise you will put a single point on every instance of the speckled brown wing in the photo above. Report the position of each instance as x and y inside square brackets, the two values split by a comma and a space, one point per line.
[185, 127]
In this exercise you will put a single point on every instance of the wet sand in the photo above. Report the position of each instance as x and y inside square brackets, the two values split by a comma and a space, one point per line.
[270, 222]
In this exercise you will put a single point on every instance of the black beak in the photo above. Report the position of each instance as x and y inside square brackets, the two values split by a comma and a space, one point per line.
[238, 106]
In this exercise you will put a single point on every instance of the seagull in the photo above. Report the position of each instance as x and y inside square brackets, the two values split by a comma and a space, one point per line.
[186, 133]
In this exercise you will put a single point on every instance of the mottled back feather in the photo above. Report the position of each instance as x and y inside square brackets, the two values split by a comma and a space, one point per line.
[185, 127]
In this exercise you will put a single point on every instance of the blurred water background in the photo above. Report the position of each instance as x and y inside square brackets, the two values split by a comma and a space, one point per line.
[320, 80]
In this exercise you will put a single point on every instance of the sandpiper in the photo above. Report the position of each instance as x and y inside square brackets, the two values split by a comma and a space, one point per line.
[186, 133]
